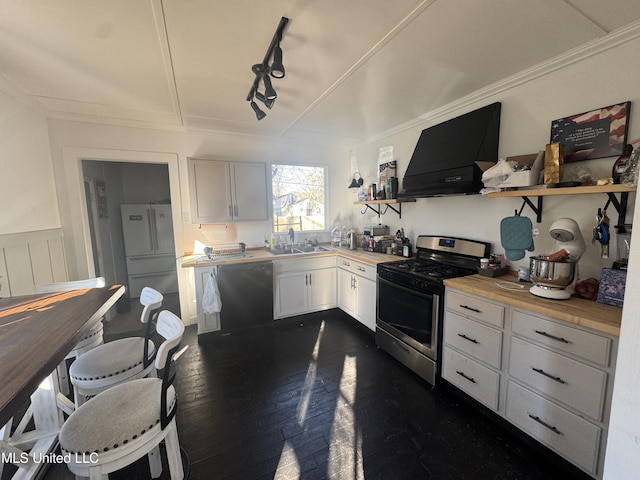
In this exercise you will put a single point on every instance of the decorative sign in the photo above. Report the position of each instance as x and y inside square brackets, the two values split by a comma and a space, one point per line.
[595, 134]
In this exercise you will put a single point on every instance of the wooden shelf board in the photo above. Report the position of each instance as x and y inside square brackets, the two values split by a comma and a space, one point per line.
[564, 191]
[392, 201]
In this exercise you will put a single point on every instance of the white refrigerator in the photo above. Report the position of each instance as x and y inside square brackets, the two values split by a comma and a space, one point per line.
[149, 248]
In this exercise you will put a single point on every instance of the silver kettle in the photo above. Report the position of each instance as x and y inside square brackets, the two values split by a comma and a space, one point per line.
[352, 240]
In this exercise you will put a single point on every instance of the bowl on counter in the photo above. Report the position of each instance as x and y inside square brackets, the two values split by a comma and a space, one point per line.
[552, 273]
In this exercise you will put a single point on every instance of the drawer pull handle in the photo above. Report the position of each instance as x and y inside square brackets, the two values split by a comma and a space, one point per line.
[361, 269]
[545, 424]
[470, 308]
[548, 375]
[401, 347]
[552, 337]
[472, 340]
[346, 264]
[465, 377]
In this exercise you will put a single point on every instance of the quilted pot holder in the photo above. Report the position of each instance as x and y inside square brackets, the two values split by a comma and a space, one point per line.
[516, 236]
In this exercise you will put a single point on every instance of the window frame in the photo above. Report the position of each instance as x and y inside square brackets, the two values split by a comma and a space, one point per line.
[325, 168]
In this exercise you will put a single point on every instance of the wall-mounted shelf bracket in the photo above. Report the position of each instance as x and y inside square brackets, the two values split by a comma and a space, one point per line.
[379, 212]
[620, 205]
[537, 209]
[376, 206]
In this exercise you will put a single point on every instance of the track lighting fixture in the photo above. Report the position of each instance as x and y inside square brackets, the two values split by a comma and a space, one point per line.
[267, 103]
[269, 92]
[259, 113]
[264, 69]
[277, 68]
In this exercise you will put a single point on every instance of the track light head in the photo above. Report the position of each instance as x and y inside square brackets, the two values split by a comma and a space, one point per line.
[267, 103]
[259, 113]
[277, 68]
[269, 92]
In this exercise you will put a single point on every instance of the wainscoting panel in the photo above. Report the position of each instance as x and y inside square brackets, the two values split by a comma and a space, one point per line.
[30, 258]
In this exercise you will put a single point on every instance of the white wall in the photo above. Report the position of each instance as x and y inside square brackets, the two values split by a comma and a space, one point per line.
[27, 190]
[602, 79]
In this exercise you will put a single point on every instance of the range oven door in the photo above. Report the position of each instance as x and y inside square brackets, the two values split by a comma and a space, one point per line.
[410, 316]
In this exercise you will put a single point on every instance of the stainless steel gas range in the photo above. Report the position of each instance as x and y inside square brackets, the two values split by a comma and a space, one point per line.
[411, 299]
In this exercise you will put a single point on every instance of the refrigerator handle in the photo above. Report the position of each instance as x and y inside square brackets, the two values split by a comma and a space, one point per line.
[154, 230]
[150, 229]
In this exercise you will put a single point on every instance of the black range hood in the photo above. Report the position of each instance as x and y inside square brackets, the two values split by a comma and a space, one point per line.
[450, 157]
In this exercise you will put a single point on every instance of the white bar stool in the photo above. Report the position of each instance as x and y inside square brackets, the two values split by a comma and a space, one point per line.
[118, 361]
[128, 421]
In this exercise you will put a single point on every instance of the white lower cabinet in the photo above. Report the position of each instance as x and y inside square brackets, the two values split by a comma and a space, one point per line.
[304, 286]
[357, 290]
[473, 346]
[551, 379]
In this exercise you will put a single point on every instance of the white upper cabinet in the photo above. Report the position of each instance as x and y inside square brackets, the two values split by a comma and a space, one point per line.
[227, 191]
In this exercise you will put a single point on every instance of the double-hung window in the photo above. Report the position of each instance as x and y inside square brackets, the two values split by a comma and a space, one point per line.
[299, 197]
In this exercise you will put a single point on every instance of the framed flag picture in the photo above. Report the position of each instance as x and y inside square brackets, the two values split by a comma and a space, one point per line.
[595, 134]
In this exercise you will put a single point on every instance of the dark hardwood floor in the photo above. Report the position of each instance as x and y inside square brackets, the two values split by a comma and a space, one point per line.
[313, 398]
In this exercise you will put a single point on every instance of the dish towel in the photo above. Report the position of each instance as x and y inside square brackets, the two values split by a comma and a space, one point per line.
[516, 236]
[211, 301]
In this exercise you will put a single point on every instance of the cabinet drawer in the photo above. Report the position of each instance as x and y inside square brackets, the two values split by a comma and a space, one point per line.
[571, 436]
[359, 268]
[475, 308]
[471, 377]
[573, 383]
[589, 346]
[474, 339]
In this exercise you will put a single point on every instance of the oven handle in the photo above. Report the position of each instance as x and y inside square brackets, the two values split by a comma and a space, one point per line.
[409, 290]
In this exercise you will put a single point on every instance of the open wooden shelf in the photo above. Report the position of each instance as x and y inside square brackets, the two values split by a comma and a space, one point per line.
[564, 191]
[609, 190]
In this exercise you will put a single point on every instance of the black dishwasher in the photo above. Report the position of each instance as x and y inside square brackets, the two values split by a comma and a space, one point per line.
[246, 291]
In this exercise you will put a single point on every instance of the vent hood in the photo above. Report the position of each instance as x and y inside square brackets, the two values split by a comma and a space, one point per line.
[450, 157]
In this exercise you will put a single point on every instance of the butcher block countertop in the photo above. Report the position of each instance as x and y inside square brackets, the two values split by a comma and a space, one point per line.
[587, 313]
[262, 254]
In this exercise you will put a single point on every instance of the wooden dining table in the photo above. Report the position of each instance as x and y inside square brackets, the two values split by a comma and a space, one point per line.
[36, 333]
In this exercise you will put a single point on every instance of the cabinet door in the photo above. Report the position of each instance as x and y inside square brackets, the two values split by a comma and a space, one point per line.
[291, 294]
[249, 181]
[346, 292]
[206, 322]
[322, 289]
[366, 302]
[210, 191]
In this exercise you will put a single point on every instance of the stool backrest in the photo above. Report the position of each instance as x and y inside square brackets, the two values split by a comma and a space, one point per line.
[170, 326]
[72, 285]
[151, 300]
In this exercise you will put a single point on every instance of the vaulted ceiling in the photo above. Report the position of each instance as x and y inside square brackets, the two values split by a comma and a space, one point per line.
[354, 68]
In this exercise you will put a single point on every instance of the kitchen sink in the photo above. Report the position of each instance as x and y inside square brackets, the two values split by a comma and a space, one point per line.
[296, 249]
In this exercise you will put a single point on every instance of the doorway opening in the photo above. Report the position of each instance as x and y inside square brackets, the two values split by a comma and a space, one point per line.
[132, 232]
